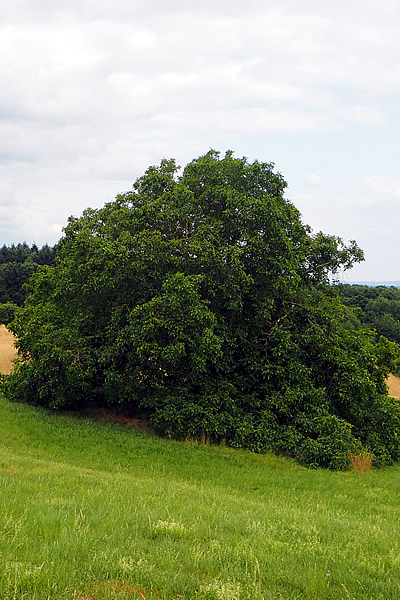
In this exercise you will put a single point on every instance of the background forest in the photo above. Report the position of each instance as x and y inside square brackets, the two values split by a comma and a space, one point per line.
[17, 265]
[377, 308]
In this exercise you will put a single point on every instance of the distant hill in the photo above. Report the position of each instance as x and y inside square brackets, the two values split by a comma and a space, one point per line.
[374, 283]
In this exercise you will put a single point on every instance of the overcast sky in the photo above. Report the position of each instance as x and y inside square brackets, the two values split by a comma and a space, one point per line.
[95, 91]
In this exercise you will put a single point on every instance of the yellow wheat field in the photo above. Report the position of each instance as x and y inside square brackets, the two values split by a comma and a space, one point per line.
[7, 350]
[394, 386]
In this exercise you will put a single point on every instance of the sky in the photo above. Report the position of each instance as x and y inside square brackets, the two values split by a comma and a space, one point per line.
[95, 91]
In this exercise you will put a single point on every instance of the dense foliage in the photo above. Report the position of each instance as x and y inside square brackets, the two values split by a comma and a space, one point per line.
[202, 302]
[17, 265]
[379, 308]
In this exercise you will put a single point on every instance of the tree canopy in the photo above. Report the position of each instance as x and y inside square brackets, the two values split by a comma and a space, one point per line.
[201, 301]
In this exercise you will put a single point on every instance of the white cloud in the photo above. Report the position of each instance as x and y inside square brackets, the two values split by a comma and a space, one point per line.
[314, 180]
[93, 92]
[366, 210]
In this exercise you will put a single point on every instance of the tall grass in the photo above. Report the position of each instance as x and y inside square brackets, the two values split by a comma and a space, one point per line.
[94, 511]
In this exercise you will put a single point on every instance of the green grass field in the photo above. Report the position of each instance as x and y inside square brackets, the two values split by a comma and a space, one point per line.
[90, 510]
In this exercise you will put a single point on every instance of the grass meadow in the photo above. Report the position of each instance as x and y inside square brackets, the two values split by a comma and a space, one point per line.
[91, 510]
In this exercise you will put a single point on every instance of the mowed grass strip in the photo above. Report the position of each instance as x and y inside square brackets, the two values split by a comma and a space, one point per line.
[90, 510]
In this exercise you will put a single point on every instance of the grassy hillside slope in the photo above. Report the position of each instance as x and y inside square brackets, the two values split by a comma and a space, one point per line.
[93, 511]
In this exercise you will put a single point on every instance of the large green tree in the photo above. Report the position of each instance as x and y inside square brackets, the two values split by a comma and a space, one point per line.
[201, 301]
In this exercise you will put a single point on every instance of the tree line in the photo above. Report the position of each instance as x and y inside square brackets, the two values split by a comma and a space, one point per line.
[199, 300]
[17, 264]
[376, 308]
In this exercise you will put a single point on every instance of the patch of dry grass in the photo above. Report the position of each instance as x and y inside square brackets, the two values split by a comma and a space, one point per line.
[361, 462]
[7, 350]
